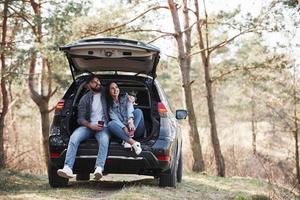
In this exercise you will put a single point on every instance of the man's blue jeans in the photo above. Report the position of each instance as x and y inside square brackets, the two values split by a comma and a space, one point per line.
[138, 123]
[83, 133]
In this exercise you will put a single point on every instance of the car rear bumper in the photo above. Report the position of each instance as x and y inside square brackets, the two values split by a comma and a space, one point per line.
[122, 161]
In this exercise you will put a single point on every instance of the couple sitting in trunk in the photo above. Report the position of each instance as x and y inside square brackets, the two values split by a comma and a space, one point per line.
[101, 113]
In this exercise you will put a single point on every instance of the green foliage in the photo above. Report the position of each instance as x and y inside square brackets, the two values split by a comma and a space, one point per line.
[57, 18]
[241, 198]
[253, 197]
[260, 197]
[168, 76]
[252, 79]
[14, 181]
[245, 70]
[58, 25]
[291, 3]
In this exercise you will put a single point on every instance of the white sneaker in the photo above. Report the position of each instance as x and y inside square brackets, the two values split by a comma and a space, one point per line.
[137, 148]
[98, 173]
[126, 145]
[65, 172]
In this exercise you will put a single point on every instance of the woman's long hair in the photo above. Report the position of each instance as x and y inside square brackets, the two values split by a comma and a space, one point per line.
[109, 98]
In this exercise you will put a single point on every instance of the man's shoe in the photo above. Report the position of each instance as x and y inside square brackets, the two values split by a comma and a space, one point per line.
[137, 148]
[98, 173]
[65, 172]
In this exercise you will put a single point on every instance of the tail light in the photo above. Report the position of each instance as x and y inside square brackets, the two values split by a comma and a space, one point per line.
[163, 158]
[54, 155]
[162, 110]
[60, 105]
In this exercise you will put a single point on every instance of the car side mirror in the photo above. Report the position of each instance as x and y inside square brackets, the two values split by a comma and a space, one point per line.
[181, 114]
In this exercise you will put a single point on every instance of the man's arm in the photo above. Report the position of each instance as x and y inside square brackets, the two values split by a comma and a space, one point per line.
[85, 123]
[81, 111]
[130, 115]
[94, 127]
[130, 109]
[82, 114]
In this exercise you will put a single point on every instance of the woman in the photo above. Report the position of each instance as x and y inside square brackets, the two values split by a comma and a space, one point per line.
[126, 122]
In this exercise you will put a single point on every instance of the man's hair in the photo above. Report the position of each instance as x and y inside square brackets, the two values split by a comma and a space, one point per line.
[90, 78]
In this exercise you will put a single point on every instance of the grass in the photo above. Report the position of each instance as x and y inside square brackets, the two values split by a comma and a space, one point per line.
[14, 185]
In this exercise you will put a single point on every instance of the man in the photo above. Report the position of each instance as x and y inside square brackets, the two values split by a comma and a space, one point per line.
[92, 109]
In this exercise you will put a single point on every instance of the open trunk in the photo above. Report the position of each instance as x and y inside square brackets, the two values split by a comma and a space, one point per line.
[146, 100]
[111, 54]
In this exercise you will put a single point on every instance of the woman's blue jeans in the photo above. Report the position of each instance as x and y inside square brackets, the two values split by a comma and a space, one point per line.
[138, 123]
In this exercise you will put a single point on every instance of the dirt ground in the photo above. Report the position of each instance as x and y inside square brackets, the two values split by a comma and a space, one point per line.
[15, 185]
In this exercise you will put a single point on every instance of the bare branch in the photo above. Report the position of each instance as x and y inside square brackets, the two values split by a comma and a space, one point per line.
[206, 28]
[145, 30]
[197, 52]
[130, 21]
[191, 10]
[234, 70]
[161, 36]
[24, 18]
[279, 115]
[191, 26]
[170, 56]
[18, 156]
[221, 44]
[13, 102]
[165, 34]
[272, 183]
[53, 92]
[225, 74]
[53, 108]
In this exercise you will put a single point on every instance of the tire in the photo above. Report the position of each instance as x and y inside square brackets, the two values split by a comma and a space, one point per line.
[56, 181]
[169, 179]
[179, 169]
[82, 177]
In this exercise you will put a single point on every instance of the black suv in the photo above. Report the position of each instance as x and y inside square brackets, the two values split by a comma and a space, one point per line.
[132, 65]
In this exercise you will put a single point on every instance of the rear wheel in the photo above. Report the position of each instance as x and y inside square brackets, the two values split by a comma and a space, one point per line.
[82, 177]
[179, 169]
[55, 180]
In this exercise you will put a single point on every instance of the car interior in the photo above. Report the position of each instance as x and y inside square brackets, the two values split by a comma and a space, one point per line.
[143, 100]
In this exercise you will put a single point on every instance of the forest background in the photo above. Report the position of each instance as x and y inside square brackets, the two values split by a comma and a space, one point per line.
[234, 67]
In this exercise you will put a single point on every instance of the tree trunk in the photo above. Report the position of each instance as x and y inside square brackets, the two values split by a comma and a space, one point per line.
[213, 125]
[205, 57]
[297, 157]
[198, 164]
[45, 128]
[296, 128]
[12, 117]
[5, 100]
[253, 124]
[42, 102]
[42, 99]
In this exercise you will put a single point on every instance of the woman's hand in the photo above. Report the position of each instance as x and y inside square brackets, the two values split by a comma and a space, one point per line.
[131, 126]
[126, 130]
